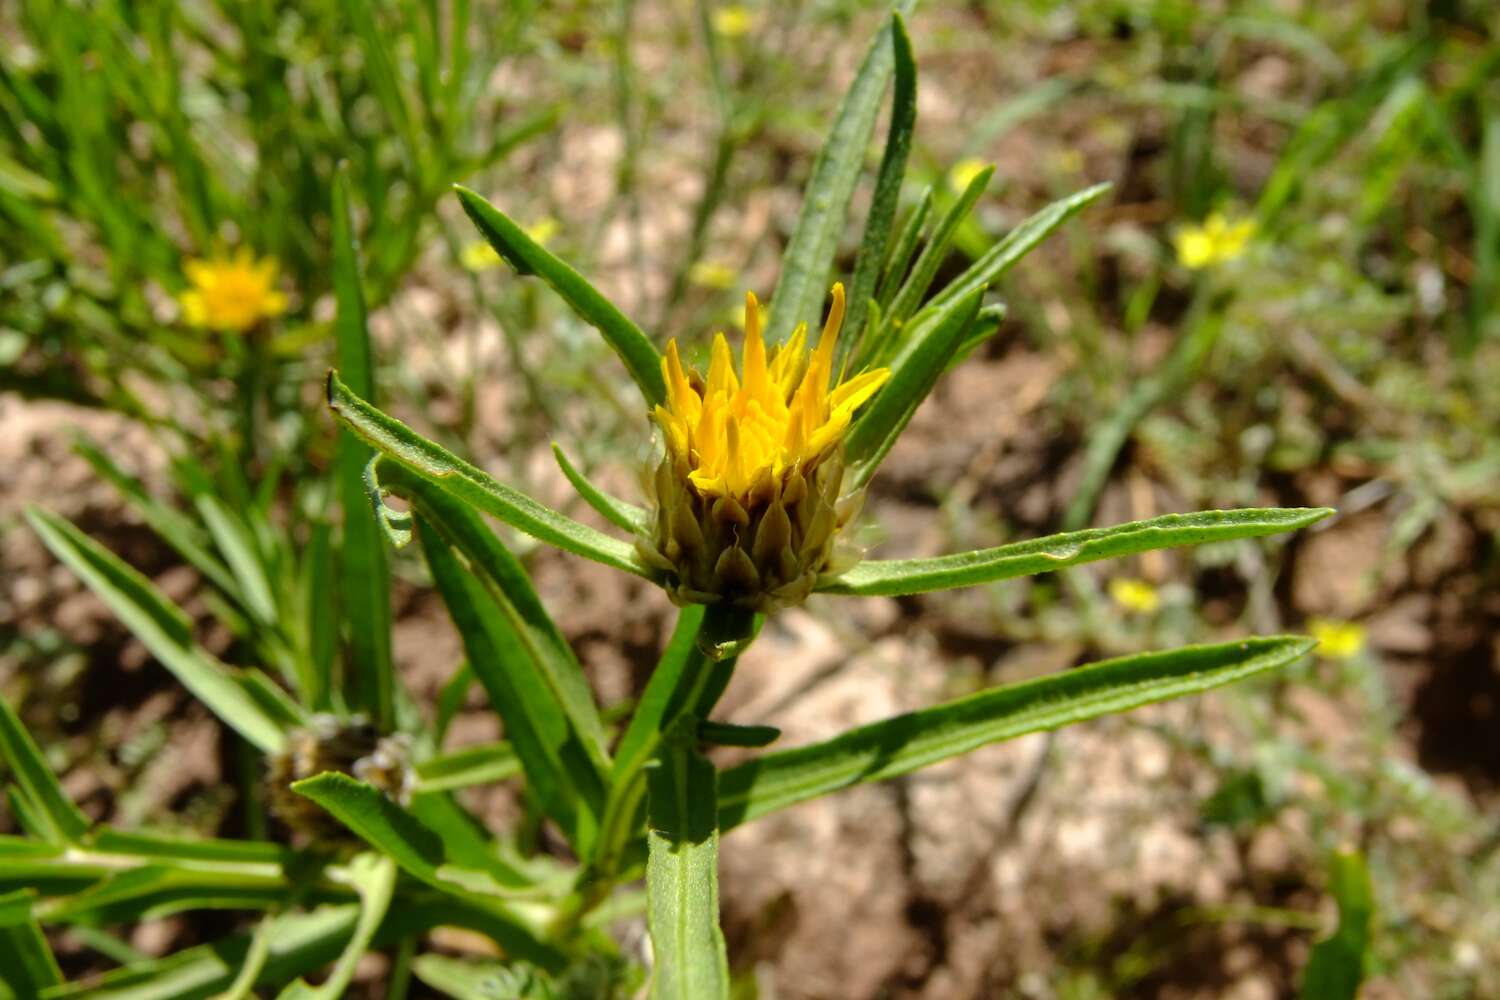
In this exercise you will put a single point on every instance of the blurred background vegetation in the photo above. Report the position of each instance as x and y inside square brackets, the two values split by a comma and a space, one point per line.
[1347, 354]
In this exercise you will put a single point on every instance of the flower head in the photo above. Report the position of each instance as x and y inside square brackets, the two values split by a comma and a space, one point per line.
[1216, 241]
[733, 20]
[233, 294]
[748, 495]
[1337, 640]
[1134, 595]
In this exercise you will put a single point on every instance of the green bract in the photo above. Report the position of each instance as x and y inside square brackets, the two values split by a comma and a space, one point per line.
[644, 803]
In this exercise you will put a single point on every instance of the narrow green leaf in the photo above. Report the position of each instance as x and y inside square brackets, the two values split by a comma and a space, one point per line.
[53, 807]
[728, 734]
[418, 849]
[529, 257]
[909, 295]
[872, 249]
[159, 890]
[619, 513]
[913, 375]
[506, 579]
[803, 282]
[1017, 244]
[161, 626]
[235, 542]
[26, 963]
[899, 259]
[301, 942]
[560, 770]
[364, 573]
[374, 878]
[1045, 555]
[452, 474]
[682, 878]
[908, 742]
[178, 530]
[481, 765]
[1337, 963]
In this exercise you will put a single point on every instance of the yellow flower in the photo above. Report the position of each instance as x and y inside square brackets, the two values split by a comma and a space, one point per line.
[733, 20]
[233, 294]
[711, 275]
[962, 173]
[542, 230]
[1133, 595]
[748, 496]
[1337, 640]
[1216, 241]
[478, 256]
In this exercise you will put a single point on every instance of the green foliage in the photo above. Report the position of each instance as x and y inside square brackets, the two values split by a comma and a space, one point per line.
[607, 794]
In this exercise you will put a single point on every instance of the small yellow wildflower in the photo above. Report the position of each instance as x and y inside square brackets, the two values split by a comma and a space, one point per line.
[1337, 640]
[232, 294]
[1137, 596]
[733, 20]
[748, 499]
[542, 230]
[1216, 241]
[712, 275]
[478, 256]
[962, 173]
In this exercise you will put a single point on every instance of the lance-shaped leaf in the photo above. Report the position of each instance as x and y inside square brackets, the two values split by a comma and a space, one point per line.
[1337, 963]
[162, 628]
[913, 375]
[529, 257]
[373, 876]
[437, 465]
[26, 963]
[1045, 555]
[682, 876]
[872, 249]
[619, 513]
[562, 770]
[909, 295]
[1017, 244]
[825, 204]
[420, 851]
[908, 742]
[364, 573]
[50, 804]
[478, 765]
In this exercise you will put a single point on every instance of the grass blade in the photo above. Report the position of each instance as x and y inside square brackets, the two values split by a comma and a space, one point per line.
[905, 743]
[52, 805]
[803, 282]
[682, 878]
[528, 257]
[364, 575]
[1045, 555]
[872, 249]
[478, 489]
[161, 626]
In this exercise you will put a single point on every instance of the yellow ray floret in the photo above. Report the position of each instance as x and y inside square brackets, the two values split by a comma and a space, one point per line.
[232, 294]
[738, 433]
